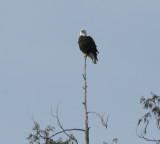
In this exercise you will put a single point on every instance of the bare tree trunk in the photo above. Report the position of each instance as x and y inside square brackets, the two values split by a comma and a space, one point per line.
[47, 141]
[85, 105]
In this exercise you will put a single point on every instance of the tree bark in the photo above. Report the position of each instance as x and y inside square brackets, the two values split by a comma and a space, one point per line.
[85, 105]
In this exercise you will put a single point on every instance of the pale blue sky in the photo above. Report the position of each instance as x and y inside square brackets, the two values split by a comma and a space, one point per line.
[41, 65]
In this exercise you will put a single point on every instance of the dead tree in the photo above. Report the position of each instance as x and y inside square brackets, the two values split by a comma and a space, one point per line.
[85, 102]
[46, 135]
[104, 123]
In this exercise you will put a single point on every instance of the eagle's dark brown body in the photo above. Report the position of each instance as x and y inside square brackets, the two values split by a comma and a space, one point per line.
[87, 46]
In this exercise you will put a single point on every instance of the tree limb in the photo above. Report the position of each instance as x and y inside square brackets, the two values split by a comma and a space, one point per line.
[147, 139]
[104, 123]
[74, 129]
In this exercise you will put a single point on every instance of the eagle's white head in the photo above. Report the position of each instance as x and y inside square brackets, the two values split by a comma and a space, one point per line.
[83, 33]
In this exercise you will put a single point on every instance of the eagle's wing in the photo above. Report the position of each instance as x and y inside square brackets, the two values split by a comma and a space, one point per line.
[92, 49]
[92, 44]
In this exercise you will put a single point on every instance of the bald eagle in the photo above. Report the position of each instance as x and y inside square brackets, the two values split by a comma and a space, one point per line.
[88, 46]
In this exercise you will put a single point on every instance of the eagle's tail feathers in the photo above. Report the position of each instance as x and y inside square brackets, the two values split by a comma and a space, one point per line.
[92, 56]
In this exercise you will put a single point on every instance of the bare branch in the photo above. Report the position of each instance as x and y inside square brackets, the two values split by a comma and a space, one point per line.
[74, 129]
[147, 139]
[104, 123]
[64, 130]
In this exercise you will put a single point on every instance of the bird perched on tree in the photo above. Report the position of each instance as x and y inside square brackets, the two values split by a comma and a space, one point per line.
[88, 46]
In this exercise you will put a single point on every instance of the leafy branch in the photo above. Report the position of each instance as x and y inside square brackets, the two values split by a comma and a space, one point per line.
[153, 107]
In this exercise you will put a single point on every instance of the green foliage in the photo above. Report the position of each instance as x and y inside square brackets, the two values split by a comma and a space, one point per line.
[152, 105]
[39, 136]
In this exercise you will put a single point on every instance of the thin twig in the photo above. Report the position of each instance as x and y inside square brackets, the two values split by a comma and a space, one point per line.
[104, 123]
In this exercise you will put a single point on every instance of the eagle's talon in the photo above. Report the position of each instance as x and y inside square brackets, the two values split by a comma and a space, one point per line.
[85, 55]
